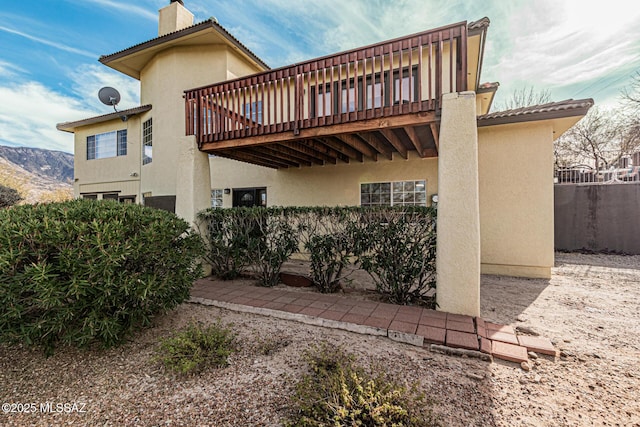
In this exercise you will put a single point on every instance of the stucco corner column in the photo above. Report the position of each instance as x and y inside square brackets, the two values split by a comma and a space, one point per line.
[458, 232]
[193, 180]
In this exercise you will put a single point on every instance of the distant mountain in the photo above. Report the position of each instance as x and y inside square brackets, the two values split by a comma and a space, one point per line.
[38, 175]
[55, 165]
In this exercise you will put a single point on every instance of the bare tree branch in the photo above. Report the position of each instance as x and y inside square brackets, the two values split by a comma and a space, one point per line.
[525, 97]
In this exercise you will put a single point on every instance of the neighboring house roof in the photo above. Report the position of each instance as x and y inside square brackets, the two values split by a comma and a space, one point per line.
[552, 110]
[114, 60]
[123, 115]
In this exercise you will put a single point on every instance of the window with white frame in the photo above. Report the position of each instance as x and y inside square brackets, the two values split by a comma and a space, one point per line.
[397, 193]
[108, 144]
[147, 142]
[216, 198]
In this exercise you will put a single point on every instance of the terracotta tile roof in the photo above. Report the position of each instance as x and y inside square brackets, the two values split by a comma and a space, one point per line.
[552, 110]
[209, 23]
[70, 126]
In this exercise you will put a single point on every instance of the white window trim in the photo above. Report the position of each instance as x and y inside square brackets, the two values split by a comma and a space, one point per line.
[391, 202]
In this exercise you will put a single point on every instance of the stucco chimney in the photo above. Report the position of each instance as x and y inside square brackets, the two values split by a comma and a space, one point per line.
[173, 18]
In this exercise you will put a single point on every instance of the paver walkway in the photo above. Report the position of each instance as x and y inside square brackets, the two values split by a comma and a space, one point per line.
[413, 325]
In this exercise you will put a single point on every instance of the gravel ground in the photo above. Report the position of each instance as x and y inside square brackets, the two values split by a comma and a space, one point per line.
[590, 309]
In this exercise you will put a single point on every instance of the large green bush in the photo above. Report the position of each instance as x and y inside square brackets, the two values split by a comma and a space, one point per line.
[83, 271]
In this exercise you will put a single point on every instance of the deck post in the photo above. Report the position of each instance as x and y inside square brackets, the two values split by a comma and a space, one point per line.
[458, 238]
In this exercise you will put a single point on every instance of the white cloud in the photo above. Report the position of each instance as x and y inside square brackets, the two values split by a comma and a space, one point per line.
[89, 79]
[574, 48]
[9, 70]
[29, 113]
[50, 43]
[122, 7]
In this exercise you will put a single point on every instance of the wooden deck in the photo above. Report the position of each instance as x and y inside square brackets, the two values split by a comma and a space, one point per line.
[377, 101]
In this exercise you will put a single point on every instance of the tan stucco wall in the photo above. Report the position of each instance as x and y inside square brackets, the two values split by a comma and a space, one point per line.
[163, 82]
[193, 189]
[112, 174]
[328, 185]
[516, 199]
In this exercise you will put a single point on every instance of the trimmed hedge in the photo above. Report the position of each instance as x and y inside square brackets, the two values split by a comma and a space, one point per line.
[395, 245]
[83, 272]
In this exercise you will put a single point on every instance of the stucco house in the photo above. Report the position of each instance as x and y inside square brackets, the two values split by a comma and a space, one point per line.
[403, 121]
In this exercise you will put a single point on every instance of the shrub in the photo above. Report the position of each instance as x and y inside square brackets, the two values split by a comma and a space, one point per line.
[83, 272]
[276, 240]
[397, 246]
[330, 254]
[241, 237]
[398, 249]
[339, 392]
[197, 347]
[8, 197]
[329, 236]
[229, 240]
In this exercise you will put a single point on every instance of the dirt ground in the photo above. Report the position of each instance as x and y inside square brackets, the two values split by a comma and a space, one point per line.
[589, 309]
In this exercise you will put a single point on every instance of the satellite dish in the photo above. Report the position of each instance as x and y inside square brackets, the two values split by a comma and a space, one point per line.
[109, 96]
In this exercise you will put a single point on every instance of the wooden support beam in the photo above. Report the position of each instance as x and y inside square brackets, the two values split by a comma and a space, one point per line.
[248, 158]
[378, 144]
[395, 141]
[430, 152]
[268, 157]
[435, 131]
[359, 145]
[304, 149]
[411, 133]
[318, 145]
[315, 159]
[342, 148]
[271, 153]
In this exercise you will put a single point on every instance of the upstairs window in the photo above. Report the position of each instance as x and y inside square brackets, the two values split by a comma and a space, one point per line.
[147, 142]
[105, 145]
[379, 90]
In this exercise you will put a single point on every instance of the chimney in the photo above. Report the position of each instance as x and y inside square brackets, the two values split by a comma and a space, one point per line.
[173, 18]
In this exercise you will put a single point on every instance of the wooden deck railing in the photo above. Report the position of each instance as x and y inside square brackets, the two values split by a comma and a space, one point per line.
[401, 76]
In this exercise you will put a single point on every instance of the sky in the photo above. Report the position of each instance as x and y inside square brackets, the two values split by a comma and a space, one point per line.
[49, 49]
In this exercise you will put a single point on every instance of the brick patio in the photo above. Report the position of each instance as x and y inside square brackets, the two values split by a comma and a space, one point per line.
[413, 325]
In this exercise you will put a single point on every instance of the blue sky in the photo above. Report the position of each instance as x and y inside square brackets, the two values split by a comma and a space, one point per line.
[49, 49]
